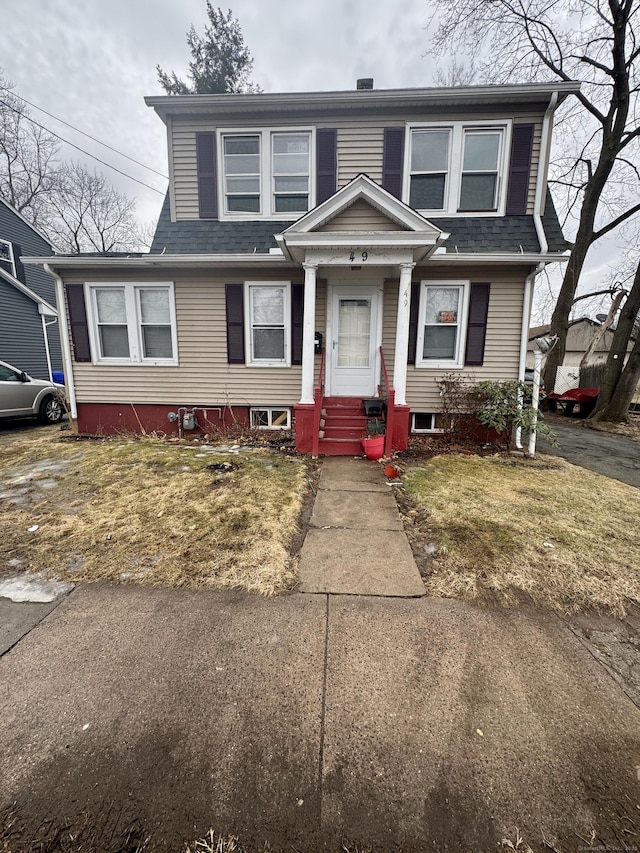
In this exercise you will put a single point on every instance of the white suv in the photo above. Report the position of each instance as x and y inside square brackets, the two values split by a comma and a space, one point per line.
[24, 397]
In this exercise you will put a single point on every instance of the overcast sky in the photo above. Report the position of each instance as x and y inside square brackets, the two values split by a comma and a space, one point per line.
[92, 62]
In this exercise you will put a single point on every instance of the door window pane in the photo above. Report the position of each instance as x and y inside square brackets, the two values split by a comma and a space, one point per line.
[354, 332]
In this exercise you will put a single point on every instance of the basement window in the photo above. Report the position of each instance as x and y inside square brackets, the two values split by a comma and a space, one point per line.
[271, 418]
[423, 422]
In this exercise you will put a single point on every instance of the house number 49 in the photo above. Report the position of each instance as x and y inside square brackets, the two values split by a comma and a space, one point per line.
[364, 256]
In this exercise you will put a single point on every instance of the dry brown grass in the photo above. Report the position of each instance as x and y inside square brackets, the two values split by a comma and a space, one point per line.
[495, 519]
[148, 511]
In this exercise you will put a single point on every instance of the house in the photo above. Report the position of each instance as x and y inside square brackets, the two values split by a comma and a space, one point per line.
[316, 250]
[29, 337]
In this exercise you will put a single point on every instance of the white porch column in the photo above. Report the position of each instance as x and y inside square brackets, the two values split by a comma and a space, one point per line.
[402, 335]
[308, 332]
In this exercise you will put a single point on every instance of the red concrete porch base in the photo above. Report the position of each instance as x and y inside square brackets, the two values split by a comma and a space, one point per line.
[303, 413]
[121, 418]
[401, 417]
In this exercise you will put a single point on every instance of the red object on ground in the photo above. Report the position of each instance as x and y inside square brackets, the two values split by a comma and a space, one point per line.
[391, 472]
[575, 395]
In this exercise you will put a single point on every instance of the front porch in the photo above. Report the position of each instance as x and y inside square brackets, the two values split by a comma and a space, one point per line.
[358, 240]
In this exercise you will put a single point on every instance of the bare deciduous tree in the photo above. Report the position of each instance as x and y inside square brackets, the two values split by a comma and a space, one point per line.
[596, 42]
[77, 210]
[28, 165]
[86, 214]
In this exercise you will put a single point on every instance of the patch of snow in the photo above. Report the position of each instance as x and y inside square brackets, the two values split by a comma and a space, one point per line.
[32, 587]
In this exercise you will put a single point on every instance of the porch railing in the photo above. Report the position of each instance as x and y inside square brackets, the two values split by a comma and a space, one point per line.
[388, 394]
[318, 394]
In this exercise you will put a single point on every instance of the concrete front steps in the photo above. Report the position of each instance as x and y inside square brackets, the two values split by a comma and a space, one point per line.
[342, 426]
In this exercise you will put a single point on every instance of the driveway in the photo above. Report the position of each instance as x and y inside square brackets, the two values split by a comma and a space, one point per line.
[133, 713]
[605, 453]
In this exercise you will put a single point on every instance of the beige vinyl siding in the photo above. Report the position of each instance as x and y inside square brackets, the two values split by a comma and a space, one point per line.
[202, 376]
[359, 147]
[360, 216]
[359, 150]
[502, 348]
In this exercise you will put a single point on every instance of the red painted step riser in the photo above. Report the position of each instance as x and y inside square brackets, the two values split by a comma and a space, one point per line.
[340, 448]
[344, 432]
[351, 421]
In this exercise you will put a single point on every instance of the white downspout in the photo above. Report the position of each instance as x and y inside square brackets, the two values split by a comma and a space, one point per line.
[47, 353]
[538, 207]
[543, 165]
[66, 343]
[527, 305]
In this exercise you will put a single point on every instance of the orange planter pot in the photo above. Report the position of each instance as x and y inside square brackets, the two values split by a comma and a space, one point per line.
[373, 447]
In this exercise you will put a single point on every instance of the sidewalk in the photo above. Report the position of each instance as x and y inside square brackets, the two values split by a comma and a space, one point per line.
[356, 544]
[304, 720]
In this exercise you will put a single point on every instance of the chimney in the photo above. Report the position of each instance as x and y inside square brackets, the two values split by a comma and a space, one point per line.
[364, 83]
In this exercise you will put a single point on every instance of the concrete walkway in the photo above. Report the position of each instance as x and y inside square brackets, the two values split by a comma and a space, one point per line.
[402, 723]
[356, 544]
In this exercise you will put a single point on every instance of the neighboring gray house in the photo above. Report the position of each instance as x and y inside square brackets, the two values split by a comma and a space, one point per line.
[29, 336]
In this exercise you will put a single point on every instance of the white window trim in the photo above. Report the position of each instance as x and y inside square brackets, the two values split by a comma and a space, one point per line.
[270, 410]
[248, 338]
[134, 326]
[447, 364]
[432, 431]
[454, 181]
[266, 178]
[11, 256]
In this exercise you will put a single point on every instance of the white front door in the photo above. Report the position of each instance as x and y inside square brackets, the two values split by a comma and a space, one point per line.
[354, 340]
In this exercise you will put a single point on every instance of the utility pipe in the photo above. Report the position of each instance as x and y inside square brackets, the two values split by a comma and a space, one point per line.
[527, 304]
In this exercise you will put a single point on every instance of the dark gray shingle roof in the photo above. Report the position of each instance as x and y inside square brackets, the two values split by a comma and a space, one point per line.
[468, 234]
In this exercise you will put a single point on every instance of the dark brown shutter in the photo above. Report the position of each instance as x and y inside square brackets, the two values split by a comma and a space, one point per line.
[392, 158]
[207, 182]
[519, 168]
[297, 309]
[17, 251]
[413, 321]
[326, 163]
[78, 322]
[234, 294]
[477, 324]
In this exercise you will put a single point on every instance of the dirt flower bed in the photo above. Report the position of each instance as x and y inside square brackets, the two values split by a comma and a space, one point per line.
[504, 529]
[149, 511]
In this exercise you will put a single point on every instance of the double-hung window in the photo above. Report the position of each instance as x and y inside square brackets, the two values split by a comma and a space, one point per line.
[133, 324]
[442, 319]
[457, 168]
[479, 184]
[430, 152]
[268, 330]
[266, 173]
[242, 171]
[7, 261]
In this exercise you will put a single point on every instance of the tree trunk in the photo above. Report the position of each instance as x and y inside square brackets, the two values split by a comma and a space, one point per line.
[617, 378]
[617, 409]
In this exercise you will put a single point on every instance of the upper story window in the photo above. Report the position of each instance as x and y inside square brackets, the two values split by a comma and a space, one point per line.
[266, 173]
[7, 261]
[457, 167]
[133, 324]
[242, 174]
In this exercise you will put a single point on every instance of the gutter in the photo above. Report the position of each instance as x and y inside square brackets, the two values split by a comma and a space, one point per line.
[543, 165]
[64, 338]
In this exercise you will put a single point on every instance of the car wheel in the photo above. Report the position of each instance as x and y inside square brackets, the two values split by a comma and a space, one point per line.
[50, 411]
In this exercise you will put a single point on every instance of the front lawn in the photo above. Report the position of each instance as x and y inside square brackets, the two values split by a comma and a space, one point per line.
[148, 511]
[511, 529]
